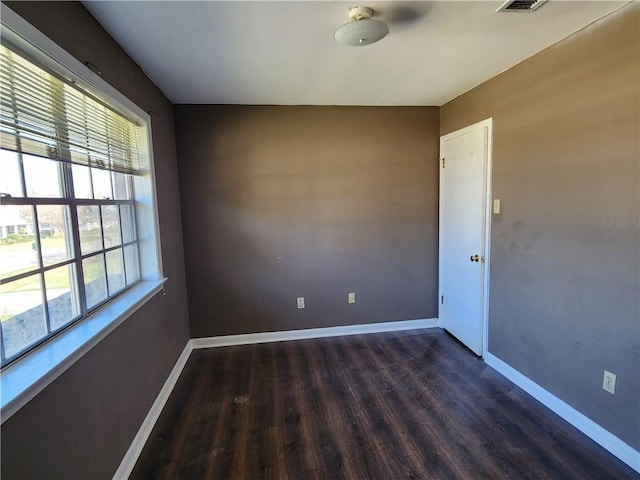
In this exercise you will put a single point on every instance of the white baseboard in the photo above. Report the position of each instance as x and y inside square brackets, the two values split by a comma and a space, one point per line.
[265, 337]
[607, 440]
[131, 457]
[591, 429]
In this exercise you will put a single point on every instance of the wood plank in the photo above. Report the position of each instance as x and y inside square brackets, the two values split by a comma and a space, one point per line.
[381, 406]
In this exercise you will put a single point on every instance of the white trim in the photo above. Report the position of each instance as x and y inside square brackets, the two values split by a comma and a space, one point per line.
[265, 337]
[604, 438]
[488, 211]
[486, 124]
[28, 376]
[591, 429]
[131, 457]
[45, 50]
[146, 208]
[25, 378]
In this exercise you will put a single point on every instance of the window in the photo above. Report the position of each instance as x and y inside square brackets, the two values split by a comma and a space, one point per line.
[75, 193]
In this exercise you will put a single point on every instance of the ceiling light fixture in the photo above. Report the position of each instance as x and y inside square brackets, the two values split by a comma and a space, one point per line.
[361, 30]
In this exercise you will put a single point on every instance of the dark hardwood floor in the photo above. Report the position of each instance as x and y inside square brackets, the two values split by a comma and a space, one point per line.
[381, 406]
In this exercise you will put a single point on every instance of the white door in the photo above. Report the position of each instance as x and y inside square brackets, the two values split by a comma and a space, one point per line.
[464, 224]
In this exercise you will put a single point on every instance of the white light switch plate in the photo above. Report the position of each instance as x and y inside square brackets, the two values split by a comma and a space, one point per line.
[496, 206]
[300, 302]
[351, 297]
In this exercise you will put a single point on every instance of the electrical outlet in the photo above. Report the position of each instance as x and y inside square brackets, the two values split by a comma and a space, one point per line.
[300, 302]
[609, 382]
[351, 297]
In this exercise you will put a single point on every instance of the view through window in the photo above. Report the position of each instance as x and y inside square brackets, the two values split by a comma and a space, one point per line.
[68, 239]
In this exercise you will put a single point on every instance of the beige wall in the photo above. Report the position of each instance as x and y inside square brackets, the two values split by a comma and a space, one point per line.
[82, 424]
[282, 202]
[565, 255]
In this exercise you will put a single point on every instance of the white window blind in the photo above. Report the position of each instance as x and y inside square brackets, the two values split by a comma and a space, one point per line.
[44, 115]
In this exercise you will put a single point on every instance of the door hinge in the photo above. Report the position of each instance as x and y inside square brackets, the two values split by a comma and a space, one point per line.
[442, 300]
[443, 163]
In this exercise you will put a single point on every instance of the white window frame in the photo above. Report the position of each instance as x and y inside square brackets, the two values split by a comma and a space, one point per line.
[23, 379]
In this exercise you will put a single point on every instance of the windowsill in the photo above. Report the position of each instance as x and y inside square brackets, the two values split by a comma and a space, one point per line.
[27, 377]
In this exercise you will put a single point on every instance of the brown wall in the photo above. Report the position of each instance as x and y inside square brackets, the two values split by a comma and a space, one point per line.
[565, 251]
[82, 424]
[281, 202]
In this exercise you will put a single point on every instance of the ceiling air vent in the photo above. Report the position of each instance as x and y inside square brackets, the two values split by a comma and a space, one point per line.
[520, 5]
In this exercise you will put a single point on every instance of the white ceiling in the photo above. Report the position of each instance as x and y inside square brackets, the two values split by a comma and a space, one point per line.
[283, 53]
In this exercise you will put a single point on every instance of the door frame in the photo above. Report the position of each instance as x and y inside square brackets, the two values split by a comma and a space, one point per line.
[488, 125]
